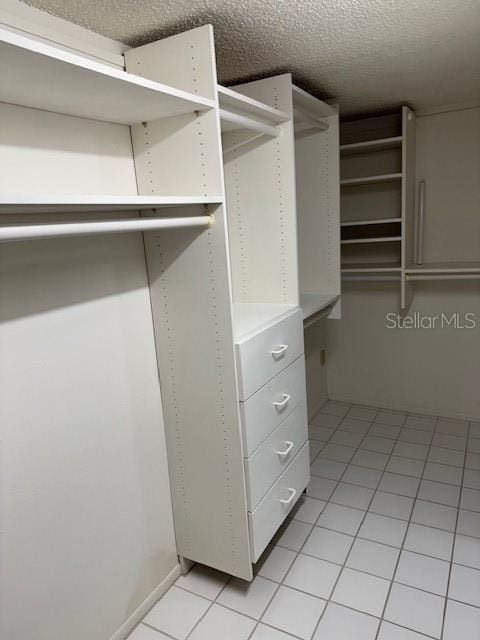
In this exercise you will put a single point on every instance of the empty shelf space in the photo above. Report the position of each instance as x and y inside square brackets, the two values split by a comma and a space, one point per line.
[371, 240]
[34, 74]
[389, 177]
[444, 268]
[250, 317]
[313, 303]
[84, 204]
[371, 145]
[239, 112]
[371, 267]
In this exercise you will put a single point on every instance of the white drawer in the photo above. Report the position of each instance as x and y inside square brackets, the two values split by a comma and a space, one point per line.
[264, 354]
[271, 512]
[275, 454]
[260, 416]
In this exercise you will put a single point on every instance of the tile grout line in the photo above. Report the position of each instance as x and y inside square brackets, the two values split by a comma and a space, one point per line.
[392, 581]
[329, 600]
[452, 555]
[372, 423]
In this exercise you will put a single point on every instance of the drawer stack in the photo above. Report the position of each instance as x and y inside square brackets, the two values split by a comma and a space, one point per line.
[271, 374]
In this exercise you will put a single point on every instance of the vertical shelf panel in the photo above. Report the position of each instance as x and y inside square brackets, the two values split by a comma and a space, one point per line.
[260, 189]
[191, 305]
[408, 202]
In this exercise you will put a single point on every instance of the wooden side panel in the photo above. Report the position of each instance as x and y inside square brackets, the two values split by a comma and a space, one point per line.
[183, 61]
[191, 308]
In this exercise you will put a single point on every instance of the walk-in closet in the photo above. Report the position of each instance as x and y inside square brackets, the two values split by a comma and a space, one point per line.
[239, 320]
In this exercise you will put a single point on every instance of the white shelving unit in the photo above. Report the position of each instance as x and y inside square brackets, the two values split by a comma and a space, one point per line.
[371, 145]
[378, 176]
[364, 223]
[40, 76]
[318, 204]
[372, 240]
[389, 177]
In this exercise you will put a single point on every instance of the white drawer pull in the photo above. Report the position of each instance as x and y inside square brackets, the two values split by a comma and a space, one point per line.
[293, 493]
[282, 403]
[276, 353]
[287, 450]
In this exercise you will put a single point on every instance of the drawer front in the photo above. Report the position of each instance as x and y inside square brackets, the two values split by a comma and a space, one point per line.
[275, 454]
[271, 512]
[260, 416]
[263, 355]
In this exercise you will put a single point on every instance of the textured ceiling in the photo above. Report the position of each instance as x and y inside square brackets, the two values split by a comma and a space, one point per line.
[369, 54]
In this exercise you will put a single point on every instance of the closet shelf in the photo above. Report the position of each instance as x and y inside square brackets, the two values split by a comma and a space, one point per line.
[250, 317]
[36, 75]
[361, 223]
[371, 267]
[446, 268]
[85, 204]
[371, 240]
[390, 177]
[371, 145]
[313, 303]
[239, 112]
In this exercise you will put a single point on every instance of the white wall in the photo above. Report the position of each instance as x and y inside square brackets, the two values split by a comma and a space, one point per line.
[87, 532]
[85, 499]
[434, 371]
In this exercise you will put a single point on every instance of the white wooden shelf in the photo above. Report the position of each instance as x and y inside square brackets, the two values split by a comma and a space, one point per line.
[372, 240]
[34, 74]
[70, 204]
[250, 317]
[389, 177]
[361, 223]
[444, 268]
[313, 303]
[239, 112]
[371, 145]
[371, 267]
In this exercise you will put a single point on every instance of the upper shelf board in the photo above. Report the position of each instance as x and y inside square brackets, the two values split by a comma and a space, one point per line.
[362, 223]
[69, 204]
[36, 75]
[313, 303]
[444, 267]
[371, 267]
[371, 145]
[237, 110]
[371, 179]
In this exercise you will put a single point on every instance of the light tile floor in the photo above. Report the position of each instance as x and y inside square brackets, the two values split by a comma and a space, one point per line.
[385, 546]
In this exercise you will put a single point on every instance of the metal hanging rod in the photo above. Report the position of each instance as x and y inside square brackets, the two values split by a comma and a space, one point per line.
[249, 123]
[11, 233]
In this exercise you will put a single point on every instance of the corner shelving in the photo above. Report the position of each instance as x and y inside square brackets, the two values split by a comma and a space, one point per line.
[378, 176]
[371, 240]
[389, 177]
[371, 145]
[39, 76]
[363, 223]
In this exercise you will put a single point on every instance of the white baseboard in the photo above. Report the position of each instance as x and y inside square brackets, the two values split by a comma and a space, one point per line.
[405, 406]
[140, 612]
